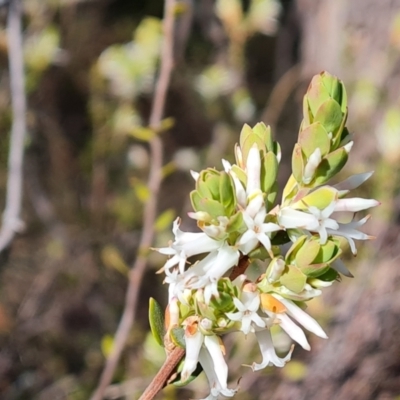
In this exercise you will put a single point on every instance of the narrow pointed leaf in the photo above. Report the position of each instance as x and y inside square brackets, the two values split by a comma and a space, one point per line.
[156, 319]
[178, 337]
[297, 163]
[269, 171]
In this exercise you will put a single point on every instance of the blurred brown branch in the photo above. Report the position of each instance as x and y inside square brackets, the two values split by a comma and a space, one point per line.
[150, 208]
[11, 223]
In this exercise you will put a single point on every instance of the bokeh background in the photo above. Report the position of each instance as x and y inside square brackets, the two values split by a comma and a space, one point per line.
[90, 71]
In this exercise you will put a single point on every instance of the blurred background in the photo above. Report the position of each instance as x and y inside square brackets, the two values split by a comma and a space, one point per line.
[90, 71]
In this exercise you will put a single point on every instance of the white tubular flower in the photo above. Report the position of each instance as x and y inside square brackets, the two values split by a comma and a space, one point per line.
[349, 232]
[247, 313]
[355, 204]
[257, 231]
[301, 317]
[267, 348]
[312, 164]
[206, 273]
[187, 244]
[208, 350]
[290, 218]
[212, 360]
[315, 220]
[293, 330]
[194, 340]
[253, 170]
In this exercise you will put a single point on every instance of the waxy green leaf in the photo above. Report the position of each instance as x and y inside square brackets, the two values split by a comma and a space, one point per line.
[293, 279]
[156, 319]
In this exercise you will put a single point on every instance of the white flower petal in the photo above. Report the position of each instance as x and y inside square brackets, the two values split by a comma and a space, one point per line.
[294, 331]
[193, 346]
[269, 356]
[207, 363]
[355, 204]
[302, 317]
[292, 219]
[213, 346]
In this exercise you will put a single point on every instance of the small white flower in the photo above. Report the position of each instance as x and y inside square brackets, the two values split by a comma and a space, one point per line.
[257, 231]
[269, 356]
[349, 232]
[247, 313]
[208, 350]
[206, 273]
[187, 244]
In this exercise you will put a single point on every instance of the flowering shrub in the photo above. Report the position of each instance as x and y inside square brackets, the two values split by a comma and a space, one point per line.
[296, 240]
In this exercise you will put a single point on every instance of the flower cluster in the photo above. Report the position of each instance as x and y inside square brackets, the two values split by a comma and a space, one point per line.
[298, 241]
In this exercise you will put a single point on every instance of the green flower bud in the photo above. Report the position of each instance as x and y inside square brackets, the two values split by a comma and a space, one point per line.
[214, 195]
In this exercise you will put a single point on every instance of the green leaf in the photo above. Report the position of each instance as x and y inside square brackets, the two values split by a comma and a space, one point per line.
[166, 124]
[245, 133]
[264, 132]
[269, 171]
[178, 337]
[330, 165]
[307, 115]
[297, 163]
[313, 137]
[212, 207]
[315, 270]
[271, 196]
[330, 275]
[328, 252]
[293, 279]
[141, 190]
[240, 174]
[330, 115]
[294, 248]
[143, 134]
[112, 258]
[164, 220]
[316, 94]
[307, 253]
[236, 223]
[156, 319]
[290, 189]
[106, 345]
[195, 199]
[248, 144]
[320, 198]
[227, 193]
